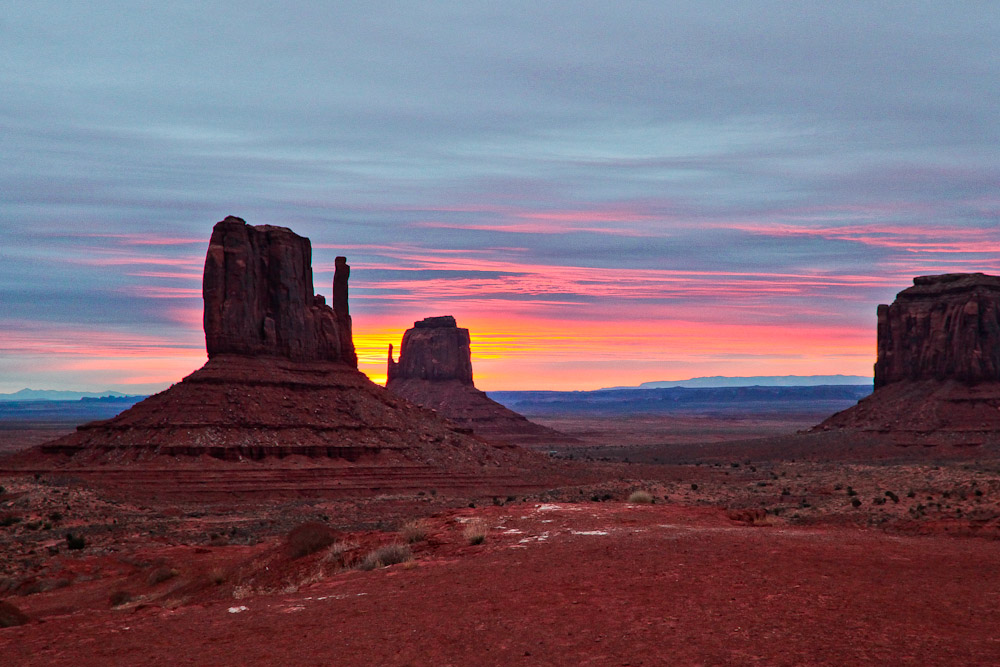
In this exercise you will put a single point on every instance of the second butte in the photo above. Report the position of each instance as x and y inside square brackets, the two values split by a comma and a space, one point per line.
[280, 391]
[435, 370]
[937, 375]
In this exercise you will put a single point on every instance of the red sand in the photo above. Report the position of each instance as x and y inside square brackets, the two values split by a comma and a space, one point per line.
[574, 584]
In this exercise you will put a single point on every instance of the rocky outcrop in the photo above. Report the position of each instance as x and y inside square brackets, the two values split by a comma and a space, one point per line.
[281, 380]
[937, 375]
[259, 301]
[434, 349]
[435, 371]
[945, 327]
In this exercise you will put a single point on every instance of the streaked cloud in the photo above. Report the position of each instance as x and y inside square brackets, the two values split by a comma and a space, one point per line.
[603, 195]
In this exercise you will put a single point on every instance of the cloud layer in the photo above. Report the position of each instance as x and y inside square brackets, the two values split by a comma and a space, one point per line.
[603, 194]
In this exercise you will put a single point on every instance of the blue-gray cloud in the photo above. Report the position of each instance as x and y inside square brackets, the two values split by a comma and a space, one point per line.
[716, 129]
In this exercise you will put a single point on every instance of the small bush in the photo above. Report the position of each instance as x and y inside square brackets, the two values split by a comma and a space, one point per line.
[640, 497]
[694, 487]
[892, 496]
[55, 517]
[855, 502]
[11, 616]
[74, 543]
[161, 574]
[414, 531]
[9, 520]
[384, 556]
[475, 531]
[118, 598]
[309, 538]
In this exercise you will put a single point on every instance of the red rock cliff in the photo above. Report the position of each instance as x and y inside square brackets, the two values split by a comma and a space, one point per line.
[945, 327]
[434, 349]
[259, 300]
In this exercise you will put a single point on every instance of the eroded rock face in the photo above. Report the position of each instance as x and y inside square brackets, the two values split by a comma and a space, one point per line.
[945, 327]
[259, 300]
[436, 348]
[435, 371]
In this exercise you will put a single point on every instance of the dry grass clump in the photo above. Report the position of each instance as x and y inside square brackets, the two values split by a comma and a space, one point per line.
[640, 497]
[414, 531]
[309, 538]
[475, 531]
[390, 554]
[118, 598]
[161, 574]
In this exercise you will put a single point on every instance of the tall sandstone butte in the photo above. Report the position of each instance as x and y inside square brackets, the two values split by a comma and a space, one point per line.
[281, 380]
[435, 371]
[945, 327]
[436, 348]
[937, 374]
[258, 291]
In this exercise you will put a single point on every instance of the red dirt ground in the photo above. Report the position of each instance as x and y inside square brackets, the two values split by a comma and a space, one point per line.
[742, 560]
[570, 584]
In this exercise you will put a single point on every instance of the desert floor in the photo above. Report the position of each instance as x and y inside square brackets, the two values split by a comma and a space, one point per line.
[741, 558]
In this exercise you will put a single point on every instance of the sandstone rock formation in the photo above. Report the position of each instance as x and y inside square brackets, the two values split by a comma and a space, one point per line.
[434, 349]
[258, 291]
[943, 328]
[937, 374]
[282, 380]
[435, 371]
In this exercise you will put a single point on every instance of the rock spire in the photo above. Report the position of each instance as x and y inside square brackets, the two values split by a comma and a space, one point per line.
[259, 301]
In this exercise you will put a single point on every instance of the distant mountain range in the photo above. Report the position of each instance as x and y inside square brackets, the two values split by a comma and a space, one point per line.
[757, 381]
[56, 395]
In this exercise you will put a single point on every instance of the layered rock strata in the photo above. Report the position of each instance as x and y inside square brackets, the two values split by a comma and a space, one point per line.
[943, 328]
[435, 371]
[281, 379]
[937, 374]
[258, 292]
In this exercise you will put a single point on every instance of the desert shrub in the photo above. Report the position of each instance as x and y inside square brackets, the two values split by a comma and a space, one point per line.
[694, 487]
[161, 574]
[851, 491]
[892, 496]
[309, 538]
[749, 516]
[475, 531]
[640, 497]
[55, 517]
[75, 543]
[11, 615]
[217, 576]
[118, 598]
[9, 520]
[390, 554]
[414, 531]
[855, 502]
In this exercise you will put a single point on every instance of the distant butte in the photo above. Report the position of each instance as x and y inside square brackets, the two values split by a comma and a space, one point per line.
[435, 371]
[282, 381]
[937, 374]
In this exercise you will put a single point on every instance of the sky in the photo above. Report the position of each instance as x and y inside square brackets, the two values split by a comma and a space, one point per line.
[603, 193]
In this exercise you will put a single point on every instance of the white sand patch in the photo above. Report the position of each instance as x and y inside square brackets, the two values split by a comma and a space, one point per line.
[237, 610]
